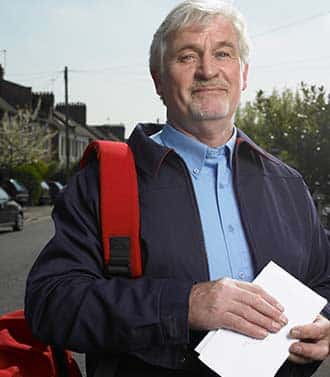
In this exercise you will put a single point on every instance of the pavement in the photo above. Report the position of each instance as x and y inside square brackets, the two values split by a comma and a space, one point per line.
[37, 213]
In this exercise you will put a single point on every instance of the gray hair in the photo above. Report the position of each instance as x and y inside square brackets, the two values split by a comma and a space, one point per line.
[200, 12]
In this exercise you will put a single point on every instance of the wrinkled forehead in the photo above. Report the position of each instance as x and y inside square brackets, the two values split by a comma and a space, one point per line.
[197, 21]
[219, 27]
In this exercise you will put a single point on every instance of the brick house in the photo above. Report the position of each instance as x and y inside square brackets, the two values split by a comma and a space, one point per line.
[14, 96]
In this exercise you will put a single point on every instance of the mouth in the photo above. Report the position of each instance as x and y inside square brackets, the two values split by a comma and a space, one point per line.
[210, 89]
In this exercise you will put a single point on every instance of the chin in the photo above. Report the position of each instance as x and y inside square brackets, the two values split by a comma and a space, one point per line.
[201, 113]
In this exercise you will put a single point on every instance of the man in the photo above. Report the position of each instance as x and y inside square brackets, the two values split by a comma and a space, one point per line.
[215, 209]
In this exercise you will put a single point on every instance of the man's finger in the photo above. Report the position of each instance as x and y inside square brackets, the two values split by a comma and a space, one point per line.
[312, 331]
[299, 359]
[255, 317]
[256, 289]
[237, 323]
[263, 306]
[312, 351]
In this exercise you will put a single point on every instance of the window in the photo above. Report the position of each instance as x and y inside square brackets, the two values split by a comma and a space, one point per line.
[3, 195]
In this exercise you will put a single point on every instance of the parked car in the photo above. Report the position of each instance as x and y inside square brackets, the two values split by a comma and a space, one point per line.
[327, 232]
[11, 213]
[16, 190]
[55, 187]
[45, 193]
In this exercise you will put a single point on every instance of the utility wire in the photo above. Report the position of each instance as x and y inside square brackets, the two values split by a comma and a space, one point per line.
[288, 62]
[301, 68]
[38, 75]
[113, 68]
[35, 74]
[50, 82]
[291, 24]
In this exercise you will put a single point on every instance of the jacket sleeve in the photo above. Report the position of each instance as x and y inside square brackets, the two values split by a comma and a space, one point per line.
[319, 258]
[70, 304]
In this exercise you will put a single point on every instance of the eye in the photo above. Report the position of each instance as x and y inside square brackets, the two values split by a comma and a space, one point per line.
[187, 58]
[223, 55]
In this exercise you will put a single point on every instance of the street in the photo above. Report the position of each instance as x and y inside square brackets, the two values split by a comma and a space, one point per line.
[18, 250]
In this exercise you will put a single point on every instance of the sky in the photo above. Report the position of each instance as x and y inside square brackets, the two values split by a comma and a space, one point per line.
[105, 45]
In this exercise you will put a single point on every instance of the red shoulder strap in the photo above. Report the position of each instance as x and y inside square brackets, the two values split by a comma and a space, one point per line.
[119, 205]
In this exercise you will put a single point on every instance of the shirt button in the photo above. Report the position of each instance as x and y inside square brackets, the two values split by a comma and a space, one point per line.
[221, 186]
[231, 228]
[196, 171]
[241, 275]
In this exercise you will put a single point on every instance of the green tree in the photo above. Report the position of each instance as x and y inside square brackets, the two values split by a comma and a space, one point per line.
[23, 140]
[295, 126]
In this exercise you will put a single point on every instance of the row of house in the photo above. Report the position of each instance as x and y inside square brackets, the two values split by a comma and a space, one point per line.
[14, 96]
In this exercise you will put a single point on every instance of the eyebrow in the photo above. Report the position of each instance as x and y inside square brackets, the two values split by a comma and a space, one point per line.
[198, 48]
[225, 44]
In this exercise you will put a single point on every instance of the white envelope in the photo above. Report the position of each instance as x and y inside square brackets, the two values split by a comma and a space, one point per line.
[231, 354]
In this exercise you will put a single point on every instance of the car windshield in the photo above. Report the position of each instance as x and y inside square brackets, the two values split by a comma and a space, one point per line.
[59, 185]
[44, 185]
[17, 185]
[3, 195]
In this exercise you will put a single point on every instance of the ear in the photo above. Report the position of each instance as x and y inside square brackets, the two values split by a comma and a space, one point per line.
[245, 72]
[157, 82]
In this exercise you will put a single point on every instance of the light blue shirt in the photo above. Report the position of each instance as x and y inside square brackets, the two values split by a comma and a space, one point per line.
[211, 172]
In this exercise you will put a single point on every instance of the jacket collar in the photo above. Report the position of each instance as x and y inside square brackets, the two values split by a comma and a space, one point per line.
[149, 155]
[242, 138]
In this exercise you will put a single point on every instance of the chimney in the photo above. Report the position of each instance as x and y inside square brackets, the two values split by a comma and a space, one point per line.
[2, 72]
[47, 102]
[77, 111]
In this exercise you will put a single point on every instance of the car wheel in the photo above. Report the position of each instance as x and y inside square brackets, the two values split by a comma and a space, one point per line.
[19, 222]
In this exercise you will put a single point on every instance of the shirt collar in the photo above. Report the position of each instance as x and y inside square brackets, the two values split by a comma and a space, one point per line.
[193, 152]
[150, 155]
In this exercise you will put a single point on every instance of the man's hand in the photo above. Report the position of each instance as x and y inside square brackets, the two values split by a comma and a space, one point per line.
[313, 342]
[240, 306]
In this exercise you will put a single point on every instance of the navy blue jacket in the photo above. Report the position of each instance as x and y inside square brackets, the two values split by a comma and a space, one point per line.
[70, 304]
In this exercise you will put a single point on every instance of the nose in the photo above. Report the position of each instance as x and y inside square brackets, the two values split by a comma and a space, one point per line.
[207, 68]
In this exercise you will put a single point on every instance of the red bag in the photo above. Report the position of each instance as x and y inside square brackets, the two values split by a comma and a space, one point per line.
[21, 355]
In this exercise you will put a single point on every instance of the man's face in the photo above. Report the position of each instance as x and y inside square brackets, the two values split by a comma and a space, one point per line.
[203, 76]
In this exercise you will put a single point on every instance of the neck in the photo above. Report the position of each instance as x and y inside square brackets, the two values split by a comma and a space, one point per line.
[213, 136]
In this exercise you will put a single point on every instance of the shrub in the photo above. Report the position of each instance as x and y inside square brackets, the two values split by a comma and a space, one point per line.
[44, 169]
[60, 174]
[31, 178]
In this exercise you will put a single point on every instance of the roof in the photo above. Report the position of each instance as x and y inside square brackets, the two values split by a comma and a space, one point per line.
[102, 132]
[97, 133]
[76, 128]
[6, 107]
[16, 85]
